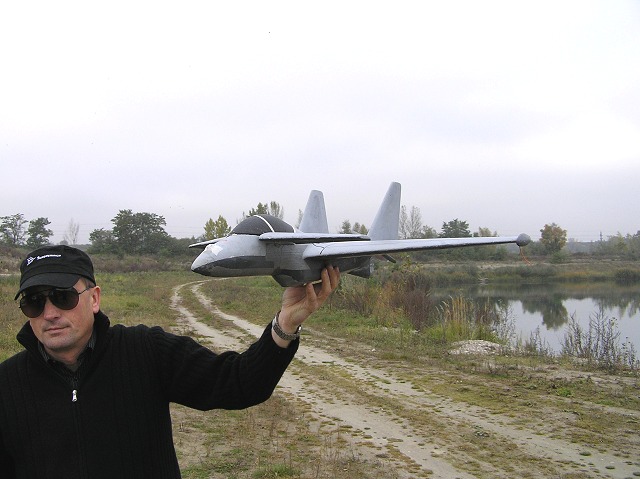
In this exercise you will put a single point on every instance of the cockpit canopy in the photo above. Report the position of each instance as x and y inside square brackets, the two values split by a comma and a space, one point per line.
[258, 224]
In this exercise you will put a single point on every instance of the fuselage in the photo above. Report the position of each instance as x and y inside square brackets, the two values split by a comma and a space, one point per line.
[247, 255]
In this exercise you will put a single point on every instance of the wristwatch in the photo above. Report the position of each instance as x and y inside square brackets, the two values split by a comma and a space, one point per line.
[281, 334]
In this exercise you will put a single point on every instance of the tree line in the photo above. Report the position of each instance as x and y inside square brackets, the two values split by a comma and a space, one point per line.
[140, 233]
[15, 232]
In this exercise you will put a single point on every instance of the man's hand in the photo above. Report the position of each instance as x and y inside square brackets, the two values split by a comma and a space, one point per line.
[299, 302]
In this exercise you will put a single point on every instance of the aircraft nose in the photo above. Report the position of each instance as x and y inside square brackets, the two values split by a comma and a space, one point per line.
[201, 262]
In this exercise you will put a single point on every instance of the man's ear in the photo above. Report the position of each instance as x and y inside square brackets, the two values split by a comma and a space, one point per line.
[95, 299]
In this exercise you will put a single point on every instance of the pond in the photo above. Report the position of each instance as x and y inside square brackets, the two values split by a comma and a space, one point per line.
[548, 308]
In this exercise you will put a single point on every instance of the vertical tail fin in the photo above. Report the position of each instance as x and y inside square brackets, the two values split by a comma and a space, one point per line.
[385, 225]
[314, 218]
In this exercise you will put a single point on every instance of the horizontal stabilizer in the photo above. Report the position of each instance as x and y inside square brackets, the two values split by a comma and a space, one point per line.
[203, 244]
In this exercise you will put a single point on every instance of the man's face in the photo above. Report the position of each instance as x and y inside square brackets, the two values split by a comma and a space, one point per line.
[65, 333]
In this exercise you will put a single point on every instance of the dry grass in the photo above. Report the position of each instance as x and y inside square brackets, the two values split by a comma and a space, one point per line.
[284, 437]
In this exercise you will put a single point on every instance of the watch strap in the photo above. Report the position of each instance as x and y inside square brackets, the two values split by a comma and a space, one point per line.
[281, 334]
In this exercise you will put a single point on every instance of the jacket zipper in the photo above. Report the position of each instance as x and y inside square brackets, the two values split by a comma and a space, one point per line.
[78, 426]
[74, 380]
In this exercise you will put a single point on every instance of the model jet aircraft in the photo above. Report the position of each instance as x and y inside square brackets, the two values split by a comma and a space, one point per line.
[264, 245]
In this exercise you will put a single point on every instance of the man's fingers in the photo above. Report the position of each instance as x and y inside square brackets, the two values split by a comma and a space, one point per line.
[330, 279]
[331, 276]
[334, 277]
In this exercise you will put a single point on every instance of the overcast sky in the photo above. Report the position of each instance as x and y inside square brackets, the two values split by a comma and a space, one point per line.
[508, 115]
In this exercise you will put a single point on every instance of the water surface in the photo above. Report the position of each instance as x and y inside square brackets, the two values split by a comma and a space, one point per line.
[547, 308]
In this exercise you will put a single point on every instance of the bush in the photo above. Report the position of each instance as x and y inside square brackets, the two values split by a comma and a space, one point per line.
[559, 257]
[627, 276]
[358, 296]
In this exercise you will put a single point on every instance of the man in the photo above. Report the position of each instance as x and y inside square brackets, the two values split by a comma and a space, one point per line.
[90, 400]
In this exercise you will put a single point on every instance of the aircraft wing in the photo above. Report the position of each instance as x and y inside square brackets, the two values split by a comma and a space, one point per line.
[299, 238]
[296, 238]
[370, 248]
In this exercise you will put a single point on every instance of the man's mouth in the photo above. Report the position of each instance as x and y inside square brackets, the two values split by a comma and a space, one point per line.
[54, 329]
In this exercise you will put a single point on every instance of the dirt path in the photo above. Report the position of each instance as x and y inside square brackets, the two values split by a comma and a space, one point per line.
[414, 430]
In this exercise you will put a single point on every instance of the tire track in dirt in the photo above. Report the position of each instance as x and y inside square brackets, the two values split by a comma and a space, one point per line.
[377, 410]
[383, 429]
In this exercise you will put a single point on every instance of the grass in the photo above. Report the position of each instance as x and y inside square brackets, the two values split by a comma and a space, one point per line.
[388, 324]
[260, 442]
[282, 438]
[517, 385]
[127, 298]
[140, 297]
[12, 318]
[270, 440]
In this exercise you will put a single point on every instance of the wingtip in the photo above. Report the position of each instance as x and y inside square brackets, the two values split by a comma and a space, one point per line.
[523, 240]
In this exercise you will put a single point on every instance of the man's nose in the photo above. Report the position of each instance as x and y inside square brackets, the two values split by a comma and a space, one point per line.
[50, 311]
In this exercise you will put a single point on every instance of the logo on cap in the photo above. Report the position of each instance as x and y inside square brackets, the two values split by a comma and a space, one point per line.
[31, 259]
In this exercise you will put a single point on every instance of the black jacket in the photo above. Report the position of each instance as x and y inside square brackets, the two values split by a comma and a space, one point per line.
[113, 421]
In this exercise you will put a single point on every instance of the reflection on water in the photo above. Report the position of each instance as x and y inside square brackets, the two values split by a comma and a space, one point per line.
[548, 307]
[554, 314]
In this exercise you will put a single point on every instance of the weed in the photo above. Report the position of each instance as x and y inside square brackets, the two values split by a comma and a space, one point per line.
[536, 345]
[359, 296]
[275, 471]
[564, 392]
[599, 344]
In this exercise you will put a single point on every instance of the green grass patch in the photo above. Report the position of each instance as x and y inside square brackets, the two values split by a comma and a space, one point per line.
[275, 471]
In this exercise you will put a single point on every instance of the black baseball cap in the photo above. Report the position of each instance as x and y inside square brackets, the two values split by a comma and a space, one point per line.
[59, 266]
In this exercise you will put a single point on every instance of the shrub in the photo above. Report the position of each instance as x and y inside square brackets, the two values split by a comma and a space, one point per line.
[358, 295]
[627, 276]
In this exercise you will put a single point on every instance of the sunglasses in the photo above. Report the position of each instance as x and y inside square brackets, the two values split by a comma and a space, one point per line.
[32, 305]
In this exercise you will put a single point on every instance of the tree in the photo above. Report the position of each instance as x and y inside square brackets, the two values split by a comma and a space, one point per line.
[102, 241]
[455, 229]
[428, 232]
[553, 238]
[12, 229]
[300, 215]
[276, 210]
[485, 252]
[38, 233]
[261, 209]
[360, 229]
[410, 224]
[177, 247]
[140, 233]
[634, 245]
[216, 229]
[403, 223]
[346, 227]
[273, 209]
[485, 233]
[357, 228]
[71, 235]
